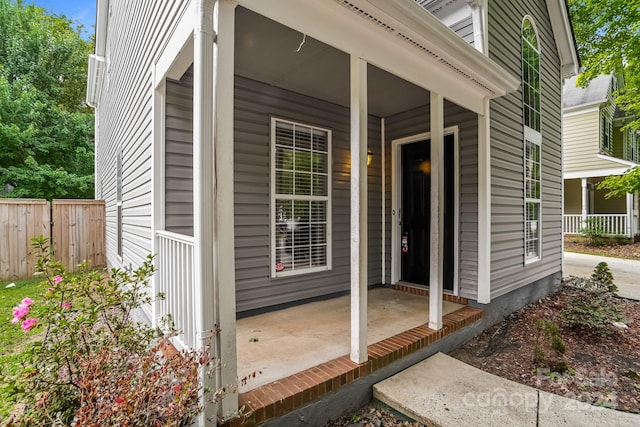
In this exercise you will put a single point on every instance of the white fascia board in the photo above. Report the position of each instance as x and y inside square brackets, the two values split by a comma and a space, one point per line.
[617, 160]
[382, 44]
[581, 109]
[563, 34]
[594, 173]
[446, 43]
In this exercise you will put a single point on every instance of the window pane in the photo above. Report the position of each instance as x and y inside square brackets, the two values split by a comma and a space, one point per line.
[303, 137]
[284, 182]
[301, 172]
[284, 134]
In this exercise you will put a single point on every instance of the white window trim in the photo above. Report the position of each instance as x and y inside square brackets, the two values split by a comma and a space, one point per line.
[535, 137]
[272, 193]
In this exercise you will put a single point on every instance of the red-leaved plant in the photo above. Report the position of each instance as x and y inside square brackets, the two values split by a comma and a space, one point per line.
[95, 365]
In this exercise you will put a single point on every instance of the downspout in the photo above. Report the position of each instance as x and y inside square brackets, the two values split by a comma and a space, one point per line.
[203, 190]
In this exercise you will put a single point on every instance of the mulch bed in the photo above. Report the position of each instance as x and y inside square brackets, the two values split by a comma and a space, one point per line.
[577, 244]
[603, 369]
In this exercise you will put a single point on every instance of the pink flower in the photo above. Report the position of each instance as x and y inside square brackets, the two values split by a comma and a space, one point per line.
[57, 279]
[20, 311]
[27, 301]
[66, 305]
[29, 323]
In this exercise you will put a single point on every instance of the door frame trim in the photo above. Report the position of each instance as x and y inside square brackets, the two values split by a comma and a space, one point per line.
[396, 201]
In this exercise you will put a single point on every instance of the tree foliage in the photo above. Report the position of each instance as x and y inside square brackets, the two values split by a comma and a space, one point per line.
[608, 37]
[46, 130]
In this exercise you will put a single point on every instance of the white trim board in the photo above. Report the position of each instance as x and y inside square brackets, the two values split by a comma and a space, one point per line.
[396, 202]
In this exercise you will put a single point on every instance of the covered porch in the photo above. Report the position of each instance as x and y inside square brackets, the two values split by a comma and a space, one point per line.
[360, 79]
[587, 206]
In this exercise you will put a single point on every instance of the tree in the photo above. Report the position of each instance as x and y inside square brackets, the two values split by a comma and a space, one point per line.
[608, 37]
[620, 185]
[46, 130]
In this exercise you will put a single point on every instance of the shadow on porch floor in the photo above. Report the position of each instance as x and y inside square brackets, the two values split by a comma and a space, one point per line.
[301, 353]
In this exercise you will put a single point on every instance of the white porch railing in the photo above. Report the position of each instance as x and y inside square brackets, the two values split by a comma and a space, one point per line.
[175, 262]
[611, 223]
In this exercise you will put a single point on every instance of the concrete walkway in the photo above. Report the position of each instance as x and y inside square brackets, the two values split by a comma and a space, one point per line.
[626, 272]
[445, 392]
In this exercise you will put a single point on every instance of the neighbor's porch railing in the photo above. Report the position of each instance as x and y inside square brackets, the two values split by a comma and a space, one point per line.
[611, 223]
[175, 261]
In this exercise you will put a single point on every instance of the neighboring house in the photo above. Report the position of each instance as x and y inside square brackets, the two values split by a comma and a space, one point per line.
[595, 146]
[273, 152]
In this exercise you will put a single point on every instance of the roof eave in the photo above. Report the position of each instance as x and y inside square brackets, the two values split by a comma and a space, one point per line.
[564, 37]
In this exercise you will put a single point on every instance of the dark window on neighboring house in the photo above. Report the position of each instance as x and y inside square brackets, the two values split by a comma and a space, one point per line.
[606, 134]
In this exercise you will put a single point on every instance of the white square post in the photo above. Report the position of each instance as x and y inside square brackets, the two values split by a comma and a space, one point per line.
[359, 244]
[436, 248]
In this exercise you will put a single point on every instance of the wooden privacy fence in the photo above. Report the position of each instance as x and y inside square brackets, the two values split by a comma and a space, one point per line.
[76, 229]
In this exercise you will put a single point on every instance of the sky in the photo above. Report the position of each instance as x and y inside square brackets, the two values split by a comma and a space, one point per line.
[79, 11]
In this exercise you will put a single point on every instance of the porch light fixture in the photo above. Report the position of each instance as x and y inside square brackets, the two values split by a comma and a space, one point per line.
[369, 156]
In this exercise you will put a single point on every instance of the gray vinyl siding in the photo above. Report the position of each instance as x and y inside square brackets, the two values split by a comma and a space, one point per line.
[136, 33]
[417, 121]
[464, 29]
[179, 155]
[255, 103]
[508, 270]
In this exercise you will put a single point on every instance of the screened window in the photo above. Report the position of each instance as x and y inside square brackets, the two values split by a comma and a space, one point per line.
[301, 198]
[532, 141]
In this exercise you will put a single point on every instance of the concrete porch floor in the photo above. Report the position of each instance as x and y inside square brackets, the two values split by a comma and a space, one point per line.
[281, 343]
[316, 336]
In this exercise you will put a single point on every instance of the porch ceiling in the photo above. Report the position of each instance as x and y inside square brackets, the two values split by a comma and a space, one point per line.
[280, 56]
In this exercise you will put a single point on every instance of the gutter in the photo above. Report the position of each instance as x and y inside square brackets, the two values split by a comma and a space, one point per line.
[95, 71]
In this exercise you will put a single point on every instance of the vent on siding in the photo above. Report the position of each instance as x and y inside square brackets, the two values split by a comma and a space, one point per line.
[380, 23]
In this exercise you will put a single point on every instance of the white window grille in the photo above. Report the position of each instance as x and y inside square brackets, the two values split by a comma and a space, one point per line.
[532, 142]
[300, 198]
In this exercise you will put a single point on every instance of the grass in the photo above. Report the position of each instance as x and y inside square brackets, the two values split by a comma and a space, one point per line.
[12, 339]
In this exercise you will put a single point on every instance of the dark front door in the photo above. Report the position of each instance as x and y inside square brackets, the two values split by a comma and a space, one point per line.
[416, 212]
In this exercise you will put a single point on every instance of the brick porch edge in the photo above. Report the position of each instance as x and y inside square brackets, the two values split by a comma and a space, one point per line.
[281, 396]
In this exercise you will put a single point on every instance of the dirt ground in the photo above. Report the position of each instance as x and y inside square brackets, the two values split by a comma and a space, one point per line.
[601, 369]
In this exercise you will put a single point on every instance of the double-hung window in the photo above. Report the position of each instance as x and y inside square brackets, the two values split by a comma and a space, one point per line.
[300, 198]
[532, 142]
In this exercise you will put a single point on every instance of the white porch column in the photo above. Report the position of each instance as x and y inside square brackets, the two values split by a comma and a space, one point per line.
[224, 247]
[358, 210]
[484, 206]
[436, 248]
[213, 196]
[629, 229]
[203, 200]
[585, 202]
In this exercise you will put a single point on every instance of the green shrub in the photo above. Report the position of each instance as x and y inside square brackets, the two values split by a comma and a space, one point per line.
[602, 275]
[594, 230]
[550, 348]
